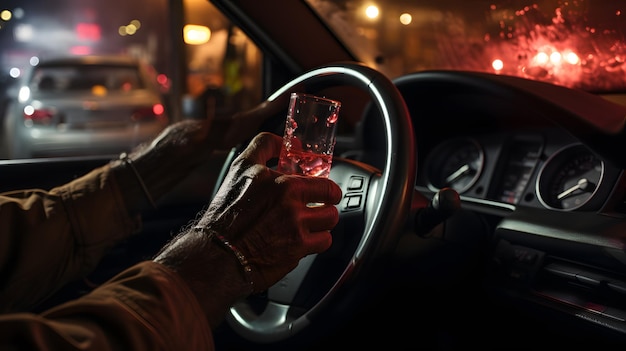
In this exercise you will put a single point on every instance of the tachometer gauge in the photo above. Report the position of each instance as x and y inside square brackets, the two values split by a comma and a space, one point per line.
[569, 178]
[456, 164]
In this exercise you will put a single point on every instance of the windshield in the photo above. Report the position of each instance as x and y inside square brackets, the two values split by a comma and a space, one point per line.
[577, 43]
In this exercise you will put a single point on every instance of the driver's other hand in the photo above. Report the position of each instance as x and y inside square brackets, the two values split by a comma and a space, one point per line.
[264, 213]
[235, 129]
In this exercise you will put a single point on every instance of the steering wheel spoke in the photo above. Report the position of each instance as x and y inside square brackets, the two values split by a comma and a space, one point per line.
[285, 290]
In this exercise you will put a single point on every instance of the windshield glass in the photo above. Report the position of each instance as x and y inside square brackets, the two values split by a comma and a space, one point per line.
[577, 43]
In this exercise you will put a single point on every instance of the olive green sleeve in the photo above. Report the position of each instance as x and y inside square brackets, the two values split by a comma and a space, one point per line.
[49, 238]
[146, 307]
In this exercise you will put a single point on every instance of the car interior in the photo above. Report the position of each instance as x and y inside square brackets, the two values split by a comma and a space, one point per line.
[479, 210]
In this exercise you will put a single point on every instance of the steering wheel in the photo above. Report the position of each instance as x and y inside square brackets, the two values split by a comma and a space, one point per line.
[374, 209]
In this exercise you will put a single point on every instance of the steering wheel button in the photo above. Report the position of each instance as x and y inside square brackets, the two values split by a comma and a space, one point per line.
[356, 183]
[354, 201]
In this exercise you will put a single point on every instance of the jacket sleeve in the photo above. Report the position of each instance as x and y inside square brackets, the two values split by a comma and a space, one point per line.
[146, 307]
[49, 238]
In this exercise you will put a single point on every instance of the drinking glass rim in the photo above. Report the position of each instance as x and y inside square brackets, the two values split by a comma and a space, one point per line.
[318, 98]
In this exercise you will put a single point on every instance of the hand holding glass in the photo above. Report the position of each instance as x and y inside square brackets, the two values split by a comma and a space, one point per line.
[309, 139]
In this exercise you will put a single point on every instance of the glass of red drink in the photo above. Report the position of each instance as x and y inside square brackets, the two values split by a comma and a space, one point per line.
[309, 138]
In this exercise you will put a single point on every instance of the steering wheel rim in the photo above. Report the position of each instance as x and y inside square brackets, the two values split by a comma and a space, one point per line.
[383, 208]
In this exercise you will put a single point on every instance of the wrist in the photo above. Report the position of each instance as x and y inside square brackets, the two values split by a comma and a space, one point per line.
[211, 271]
[131, 185]
[129, 162]
[162, 164]
[245, 266]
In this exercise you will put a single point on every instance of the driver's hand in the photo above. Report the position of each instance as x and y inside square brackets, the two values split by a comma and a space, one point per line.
[233, 130]
[265, 213]
[225, 132]
[183, 146]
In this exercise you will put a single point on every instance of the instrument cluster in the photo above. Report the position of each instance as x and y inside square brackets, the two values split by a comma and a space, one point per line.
[546, 169]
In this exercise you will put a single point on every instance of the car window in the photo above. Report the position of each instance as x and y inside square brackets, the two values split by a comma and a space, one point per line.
[55, 108]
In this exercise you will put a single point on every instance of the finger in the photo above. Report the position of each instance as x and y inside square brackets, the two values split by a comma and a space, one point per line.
[321, 218]
[319, 190]
[317, 242]
[262, 148]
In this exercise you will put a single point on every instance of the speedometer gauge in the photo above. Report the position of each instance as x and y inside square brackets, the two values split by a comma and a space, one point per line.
[569, 178]
[456, 164]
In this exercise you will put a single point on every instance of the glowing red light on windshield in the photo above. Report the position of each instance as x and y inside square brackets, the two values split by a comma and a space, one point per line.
[564, 45]
[88, 31]
[80, 50]
[158, 109]
[162, 78]
[497, 65]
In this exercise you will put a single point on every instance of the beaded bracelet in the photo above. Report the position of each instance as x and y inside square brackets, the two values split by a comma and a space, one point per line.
[126, 159]
[243, 261]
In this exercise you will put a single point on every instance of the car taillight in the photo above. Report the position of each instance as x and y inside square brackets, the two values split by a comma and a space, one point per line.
[156, 111]
[38, 116]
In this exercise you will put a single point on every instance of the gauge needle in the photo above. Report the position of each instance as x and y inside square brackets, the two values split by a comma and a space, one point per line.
[582, 185]
[459, 172]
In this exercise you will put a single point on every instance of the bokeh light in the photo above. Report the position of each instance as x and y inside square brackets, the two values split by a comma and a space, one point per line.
[406, 19]
[195, 34]
[5, 15]
[497, 65]
[372, 12]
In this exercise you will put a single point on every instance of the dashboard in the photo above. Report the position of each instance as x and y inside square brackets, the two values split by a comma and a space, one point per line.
[506, 143]
[539, 170]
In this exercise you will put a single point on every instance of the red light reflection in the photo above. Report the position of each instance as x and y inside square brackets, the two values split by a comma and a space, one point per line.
[571, 43]
[564, 49]
[88, 31]
[80, 50]
[158, 109]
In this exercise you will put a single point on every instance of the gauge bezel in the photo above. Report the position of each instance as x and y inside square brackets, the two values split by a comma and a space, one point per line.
[552, 165]
[444, 151]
